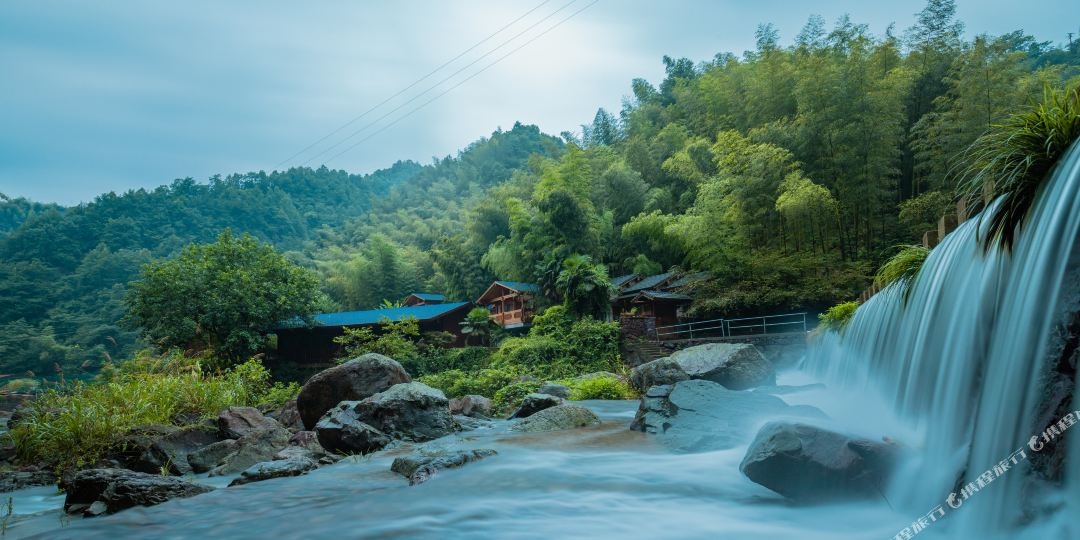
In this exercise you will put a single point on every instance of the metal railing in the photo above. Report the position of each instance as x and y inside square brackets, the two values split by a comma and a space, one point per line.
[745, 326]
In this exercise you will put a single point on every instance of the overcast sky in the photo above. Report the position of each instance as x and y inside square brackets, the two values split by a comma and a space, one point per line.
[109, 96]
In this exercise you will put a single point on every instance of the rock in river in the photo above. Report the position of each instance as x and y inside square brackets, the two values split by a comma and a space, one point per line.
[808, 463]
[96, 491]
[737, 366]
[657, 373]
[534, 403]
[556, 418]
[342, 431]
[235, 422]
[471, 405]
[428, 460]
[411, 411]
[274, 469]
[354, 380]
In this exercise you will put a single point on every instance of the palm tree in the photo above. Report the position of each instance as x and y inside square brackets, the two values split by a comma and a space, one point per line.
[477, 323]
[585, 287]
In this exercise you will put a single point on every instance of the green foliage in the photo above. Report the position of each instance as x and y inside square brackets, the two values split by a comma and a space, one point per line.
[601, 387]
[396, 339]
[902, 268]
[584, 287]
[76, 426]
[457, 383]
[478, 323]
[920, 214]
[511, 395]
[837, 317]
[1015, 158]
[223, 297]
[466, 359]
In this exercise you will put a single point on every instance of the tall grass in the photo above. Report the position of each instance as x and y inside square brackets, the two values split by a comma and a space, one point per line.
[78, 425]
[902, 268]
[1014, 158]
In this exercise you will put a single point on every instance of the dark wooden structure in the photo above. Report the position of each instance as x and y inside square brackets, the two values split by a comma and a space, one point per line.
[661, 296]
[423, 299]
[313, 346]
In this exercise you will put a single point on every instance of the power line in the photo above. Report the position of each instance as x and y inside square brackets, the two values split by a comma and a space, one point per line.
[414, 83]
[463, 81]
[436, 85]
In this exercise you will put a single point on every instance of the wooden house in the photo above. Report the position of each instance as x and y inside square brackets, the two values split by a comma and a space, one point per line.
[662, 297]
[423, 299]
[509, 303]
[313, 345]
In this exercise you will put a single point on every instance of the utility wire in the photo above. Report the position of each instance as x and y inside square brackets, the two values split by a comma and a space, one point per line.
[436, 85]
[463, 81]
[414, 83]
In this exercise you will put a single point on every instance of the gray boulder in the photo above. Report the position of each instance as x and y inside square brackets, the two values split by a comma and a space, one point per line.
[557, 418]
[534, 403]
[289, 416]
[657, 373]
[354, 380]
[209, 456]
[737, 366]
[252, 448]
[471, 405]
[411, 411]
[553, 389]
[13, 480]
[95, 491]
[157, 449]
[236, 422]
[701, 416]
[426, 462]
[808, 463]
[274, 469]
[342, 431]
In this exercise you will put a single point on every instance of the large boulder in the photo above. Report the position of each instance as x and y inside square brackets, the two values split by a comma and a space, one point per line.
[555, 389]
[274, 469]
[289, 416]
[557, 418]
[354, 380]
[235, 422]
[534, 403]
[657, 373]
[701, 416]
[13, 480]
[808, 463]
[411, 411]
[737, 366]
[428, 461]
[472, 405]
[252, 448]
[157, 449]
[96, 491]
[341, 430]
[211, 455]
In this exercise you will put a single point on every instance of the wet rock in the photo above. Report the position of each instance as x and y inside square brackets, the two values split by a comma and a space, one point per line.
[658, 372]
[469, 423]
[421, 465]
[289, 416]
[210, 456]
[410, 411]
[253, 448]
[274, 469]
[557, 418]
[557, 390]
[808, 463]
[342, 431]
[700, 416]
[471, 405]
[236, 422]
[13, 480]
[354, 380]
[534, 403]
[97, 491]
[736, 366]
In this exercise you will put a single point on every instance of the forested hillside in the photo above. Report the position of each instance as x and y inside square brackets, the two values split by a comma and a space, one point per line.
[788, 172]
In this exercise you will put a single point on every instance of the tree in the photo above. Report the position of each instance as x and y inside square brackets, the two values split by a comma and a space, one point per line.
[585, 287]
[477, 323]
[223, 298]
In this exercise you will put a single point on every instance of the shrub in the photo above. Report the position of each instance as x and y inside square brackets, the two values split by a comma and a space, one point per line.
[510, 396]
[436, 361]
[837, 317]
[601, 387]
[76, 426]
[902, 268]
[394, 339]
[457, 383]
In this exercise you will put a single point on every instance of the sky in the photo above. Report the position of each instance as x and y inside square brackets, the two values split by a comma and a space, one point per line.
[110, 96]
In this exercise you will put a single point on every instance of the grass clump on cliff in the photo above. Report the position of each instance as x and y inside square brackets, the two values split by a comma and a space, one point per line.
[837, 317]
[77, 425]
[902, 268]
[1014, 158]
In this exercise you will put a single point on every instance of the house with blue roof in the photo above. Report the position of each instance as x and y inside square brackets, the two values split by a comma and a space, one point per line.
[510, 303]
[662, 297]
[423, 299]
[312, 345]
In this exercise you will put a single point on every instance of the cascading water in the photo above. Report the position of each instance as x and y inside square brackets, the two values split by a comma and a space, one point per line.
[964, 359]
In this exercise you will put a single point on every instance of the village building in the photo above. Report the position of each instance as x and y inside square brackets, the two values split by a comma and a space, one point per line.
[510, 303]
[313, 346]
[661, 297]
[423, 299]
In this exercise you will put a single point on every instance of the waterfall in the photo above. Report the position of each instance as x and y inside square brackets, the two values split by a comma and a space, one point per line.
[964, 359]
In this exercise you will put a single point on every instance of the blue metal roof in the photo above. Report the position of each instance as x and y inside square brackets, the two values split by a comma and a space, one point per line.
[618, 281]
[648, 282]
[519, 286]
[429, 296]
[374, 316]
